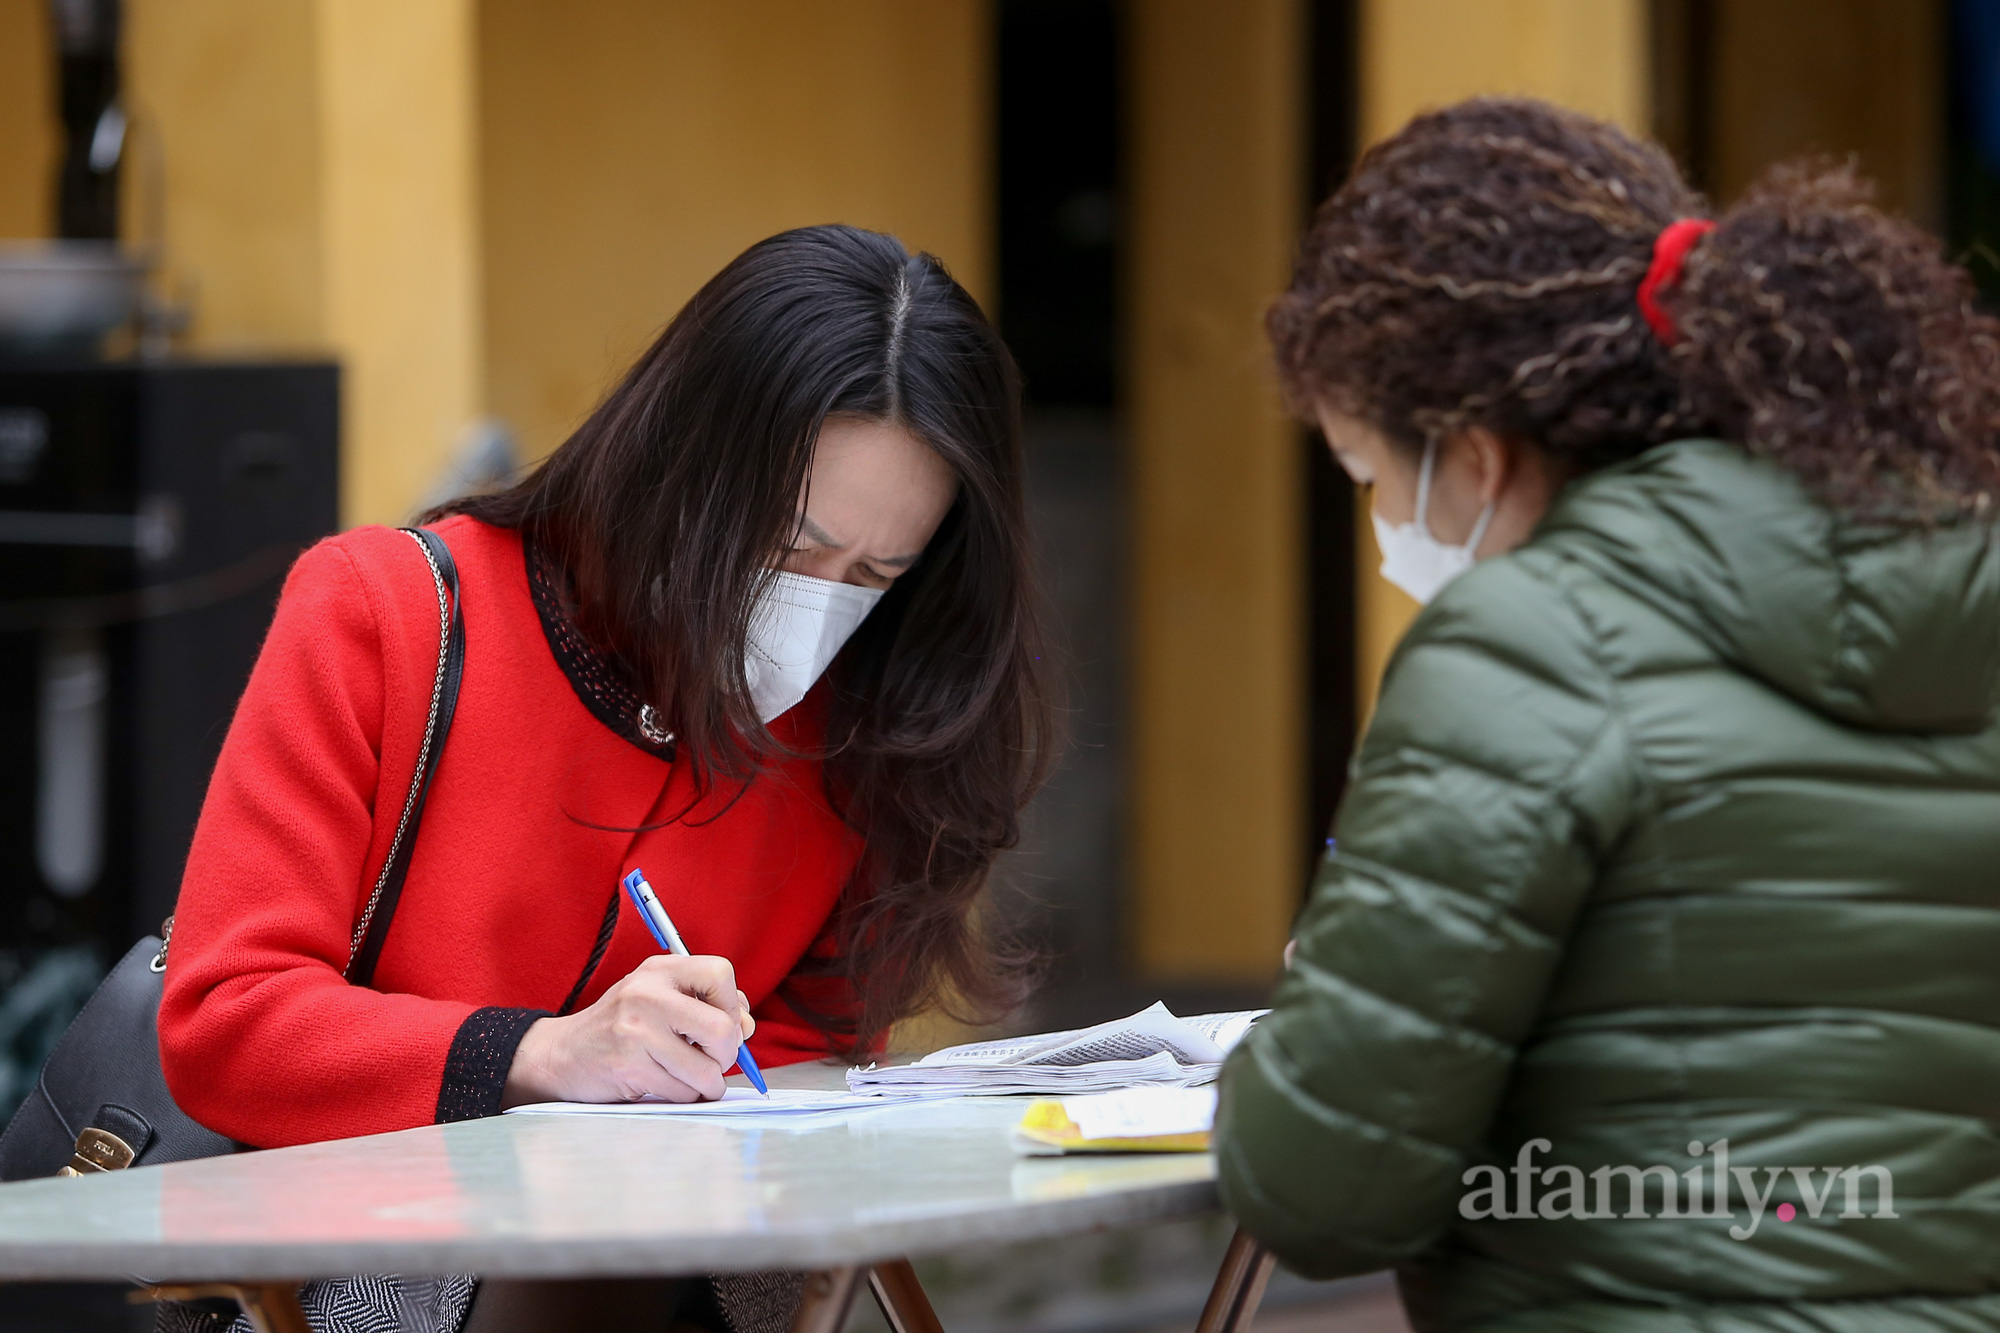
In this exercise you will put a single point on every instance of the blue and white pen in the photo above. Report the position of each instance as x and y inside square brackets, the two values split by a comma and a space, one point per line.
[662, 927]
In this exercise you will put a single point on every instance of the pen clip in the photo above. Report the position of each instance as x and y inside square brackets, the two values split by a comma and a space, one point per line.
[632, 883]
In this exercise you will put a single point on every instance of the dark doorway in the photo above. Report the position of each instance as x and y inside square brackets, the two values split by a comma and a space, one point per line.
[1329, 495]
[1060, 225]
[1972, 141]
[1683, 45]
[1058, 158]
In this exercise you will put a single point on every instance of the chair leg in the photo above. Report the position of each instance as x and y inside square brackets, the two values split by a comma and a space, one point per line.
[902, 1298]
[828, 1295]
[272, 1307]
[1239, 1287]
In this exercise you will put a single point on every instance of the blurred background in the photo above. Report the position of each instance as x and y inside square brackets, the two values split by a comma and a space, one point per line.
[325, 262]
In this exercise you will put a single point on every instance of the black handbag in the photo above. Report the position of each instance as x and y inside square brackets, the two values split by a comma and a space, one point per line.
[101, 1103]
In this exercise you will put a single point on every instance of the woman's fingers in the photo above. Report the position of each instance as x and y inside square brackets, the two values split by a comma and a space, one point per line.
[687, 1075]
[685, 1016]
[650, 1057]
[712, 1030]
[712, 982]
[656, 1080]
[703, 976]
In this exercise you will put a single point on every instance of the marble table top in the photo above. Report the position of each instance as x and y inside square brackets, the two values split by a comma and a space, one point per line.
[583, 1196]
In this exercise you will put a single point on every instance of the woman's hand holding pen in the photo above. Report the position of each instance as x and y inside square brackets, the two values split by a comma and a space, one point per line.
[667, 1029]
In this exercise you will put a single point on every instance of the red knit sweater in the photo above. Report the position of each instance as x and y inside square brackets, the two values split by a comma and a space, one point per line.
[527, 829]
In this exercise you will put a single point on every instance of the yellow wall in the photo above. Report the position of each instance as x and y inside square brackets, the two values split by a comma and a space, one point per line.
[28, 126]
[400, 228]
[487, 206]
[319, 162]
[1587, 54]
[632, 147]
[228, 90]
[1833, 76]
[1415, 54]
[1217, 765]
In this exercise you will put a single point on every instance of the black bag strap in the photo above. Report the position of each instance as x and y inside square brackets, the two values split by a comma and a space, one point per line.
[373, 927]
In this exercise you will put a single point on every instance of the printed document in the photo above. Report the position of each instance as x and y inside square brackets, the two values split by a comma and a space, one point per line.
[1152, 1048]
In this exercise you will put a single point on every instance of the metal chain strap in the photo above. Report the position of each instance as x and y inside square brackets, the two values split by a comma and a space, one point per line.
[423, 754]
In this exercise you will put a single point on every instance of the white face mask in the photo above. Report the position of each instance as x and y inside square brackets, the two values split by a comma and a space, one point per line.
[796, 628]
[1412, 559]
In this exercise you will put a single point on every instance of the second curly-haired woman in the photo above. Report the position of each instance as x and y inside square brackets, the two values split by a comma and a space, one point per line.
[1653, 985]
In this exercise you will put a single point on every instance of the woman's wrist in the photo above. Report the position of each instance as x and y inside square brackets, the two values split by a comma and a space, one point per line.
[529, 1078]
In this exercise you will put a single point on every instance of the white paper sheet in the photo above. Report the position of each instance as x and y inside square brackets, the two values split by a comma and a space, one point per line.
[1135, 1113]
[739, 1106]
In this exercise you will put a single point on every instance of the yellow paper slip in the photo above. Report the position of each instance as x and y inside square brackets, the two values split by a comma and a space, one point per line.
[1130, 1120]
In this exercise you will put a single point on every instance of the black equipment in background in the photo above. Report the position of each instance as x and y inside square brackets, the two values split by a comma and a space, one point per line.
[93, 121]
[148, 513]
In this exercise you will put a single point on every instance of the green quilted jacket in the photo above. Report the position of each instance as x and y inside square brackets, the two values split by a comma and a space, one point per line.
[1671, 861]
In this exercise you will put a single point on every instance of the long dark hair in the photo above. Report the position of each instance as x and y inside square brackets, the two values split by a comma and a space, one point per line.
[669, 507]
[1480, 268]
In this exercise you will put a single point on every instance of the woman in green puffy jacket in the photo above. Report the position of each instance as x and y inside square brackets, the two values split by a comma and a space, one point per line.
[1655, 982]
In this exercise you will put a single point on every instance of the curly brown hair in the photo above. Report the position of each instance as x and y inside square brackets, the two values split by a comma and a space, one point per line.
[1480, 268]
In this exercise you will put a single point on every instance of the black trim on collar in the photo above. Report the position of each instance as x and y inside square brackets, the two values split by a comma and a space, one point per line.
[599, 679]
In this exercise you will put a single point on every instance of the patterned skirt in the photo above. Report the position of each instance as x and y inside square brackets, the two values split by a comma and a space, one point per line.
[747, 1302]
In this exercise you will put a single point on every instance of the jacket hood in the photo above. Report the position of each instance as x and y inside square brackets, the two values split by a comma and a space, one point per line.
[1895, 629]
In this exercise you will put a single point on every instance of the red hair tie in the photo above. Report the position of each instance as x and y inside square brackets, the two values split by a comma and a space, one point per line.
[1670, 250]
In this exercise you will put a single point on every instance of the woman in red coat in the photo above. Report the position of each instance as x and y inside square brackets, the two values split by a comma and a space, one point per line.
[826, 435]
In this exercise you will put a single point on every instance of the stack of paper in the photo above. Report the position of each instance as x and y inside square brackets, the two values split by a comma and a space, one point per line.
[1133, 1120]
[1152, 1048]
